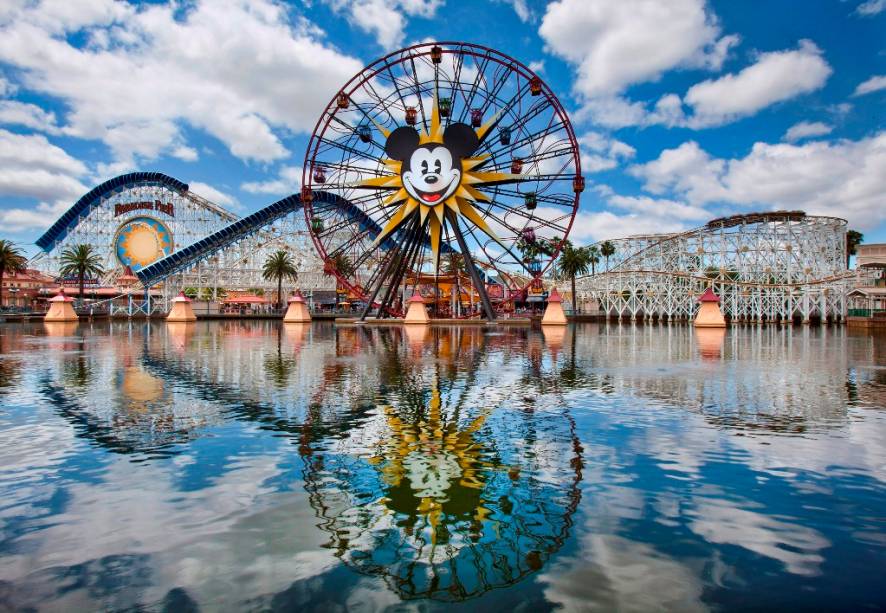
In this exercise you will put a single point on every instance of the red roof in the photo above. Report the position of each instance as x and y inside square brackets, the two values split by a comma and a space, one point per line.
[416, 297]
[709, 296]
[60, 297]
[554, 296]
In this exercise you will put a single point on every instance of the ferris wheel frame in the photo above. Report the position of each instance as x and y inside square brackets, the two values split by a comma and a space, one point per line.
[484, 57]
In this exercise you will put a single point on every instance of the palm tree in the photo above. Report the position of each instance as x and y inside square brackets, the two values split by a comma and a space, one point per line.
[279, 266]
[593, 257]
[342, 264]
[853, 240]
[80, 260]
[454, 264]
[11, 260]
[573, 261]
[607, 249]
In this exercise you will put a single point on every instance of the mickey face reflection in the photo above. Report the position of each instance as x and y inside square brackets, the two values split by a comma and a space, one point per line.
[431, 172]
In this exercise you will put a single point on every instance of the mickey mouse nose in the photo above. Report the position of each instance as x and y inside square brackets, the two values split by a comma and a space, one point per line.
[431, 179]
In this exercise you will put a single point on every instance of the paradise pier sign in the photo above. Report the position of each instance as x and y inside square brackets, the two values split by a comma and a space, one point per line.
[127, 207]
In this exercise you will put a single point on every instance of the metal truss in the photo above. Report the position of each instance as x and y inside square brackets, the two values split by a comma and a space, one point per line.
[771, 267]
[97, 226]
[235, 265]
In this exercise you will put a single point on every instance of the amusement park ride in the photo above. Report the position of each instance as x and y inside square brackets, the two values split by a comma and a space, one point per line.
[440, 154]
[449, 148]
[447, 165]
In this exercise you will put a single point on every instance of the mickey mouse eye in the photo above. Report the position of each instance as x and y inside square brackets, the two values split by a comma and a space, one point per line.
[438, 167]
[424, 167]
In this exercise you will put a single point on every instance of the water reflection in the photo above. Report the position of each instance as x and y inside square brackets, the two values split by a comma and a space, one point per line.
[444, 492]
[259, 466]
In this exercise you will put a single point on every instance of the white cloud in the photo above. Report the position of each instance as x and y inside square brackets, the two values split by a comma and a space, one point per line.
[521, 8]
[687, 170]
[236, 69]
[617, 44]
[185, 154]
[842, 178]
[807, 129]
[13, 112]
[32, 167]
[212, 194]
[287, 182]
[382, 18]
[774, 77]
[7, 88]
[33, 151]
[660, 208]
[870, 8]
[537, 66]
[600, 152]
[591, 227]
[873, 84]
[38, 218]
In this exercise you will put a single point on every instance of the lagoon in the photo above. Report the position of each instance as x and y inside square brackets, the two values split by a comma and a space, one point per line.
[251, 465]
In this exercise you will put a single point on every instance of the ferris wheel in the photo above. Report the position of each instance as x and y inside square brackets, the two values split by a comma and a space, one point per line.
[444, 156]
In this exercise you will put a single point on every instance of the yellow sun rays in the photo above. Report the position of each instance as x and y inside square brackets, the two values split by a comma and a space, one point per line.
[460, 203]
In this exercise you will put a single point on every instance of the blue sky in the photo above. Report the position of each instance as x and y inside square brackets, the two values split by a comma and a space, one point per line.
[686, 110]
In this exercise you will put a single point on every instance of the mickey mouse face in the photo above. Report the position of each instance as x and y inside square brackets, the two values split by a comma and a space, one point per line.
[432, 172]
[432, 176]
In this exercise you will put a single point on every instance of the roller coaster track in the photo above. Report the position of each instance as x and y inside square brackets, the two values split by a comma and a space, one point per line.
[708, 227]
[849, 274]
[93, 199]
[240, 229]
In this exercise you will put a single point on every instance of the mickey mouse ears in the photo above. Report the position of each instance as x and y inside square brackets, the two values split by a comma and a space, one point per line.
[459, 138]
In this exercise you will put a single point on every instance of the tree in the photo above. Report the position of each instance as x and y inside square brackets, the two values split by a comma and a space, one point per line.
[11, 260]
[277, 267]
[607, 249]
[454, 264]
[342, 264]
[573, 261]
[80, 260]
[853, 240]
[593, 257]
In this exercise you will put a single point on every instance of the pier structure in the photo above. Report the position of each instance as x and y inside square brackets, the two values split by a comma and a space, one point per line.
[765, 267]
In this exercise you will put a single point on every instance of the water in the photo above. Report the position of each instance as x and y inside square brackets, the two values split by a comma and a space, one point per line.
[252, 466]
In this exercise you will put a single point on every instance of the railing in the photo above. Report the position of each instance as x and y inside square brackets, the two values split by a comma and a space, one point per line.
[867, 312]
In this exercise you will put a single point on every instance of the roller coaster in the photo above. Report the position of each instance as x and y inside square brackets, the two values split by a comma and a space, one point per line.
[772, 266]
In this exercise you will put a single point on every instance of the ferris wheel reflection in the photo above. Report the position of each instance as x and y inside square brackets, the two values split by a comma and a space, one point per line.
[447, 491]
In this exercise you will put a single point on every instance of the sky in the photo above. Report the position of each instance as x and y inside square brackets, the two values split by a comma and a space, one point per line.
[685, 110]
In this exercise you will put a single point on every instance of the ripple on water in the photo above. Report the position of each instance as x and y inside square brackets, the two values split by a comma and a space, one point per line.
[253, 465]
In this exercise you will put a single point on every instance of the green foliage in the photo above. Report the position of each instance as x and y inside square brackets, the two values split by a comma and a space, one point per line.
[573, 261]
[853, 239]
[607, 249]
[279, 266]
[593, 257]
[81, 260]
[342, 264]
[11, 261]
